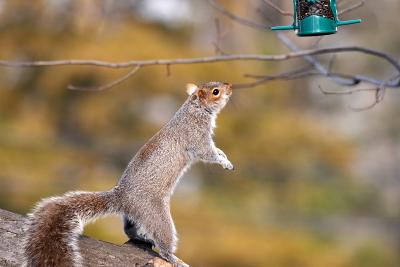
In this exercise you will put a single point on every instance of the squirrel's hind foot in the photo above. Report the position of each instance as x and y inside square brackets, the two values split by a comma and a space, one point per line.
[176, 262]
[159, 262]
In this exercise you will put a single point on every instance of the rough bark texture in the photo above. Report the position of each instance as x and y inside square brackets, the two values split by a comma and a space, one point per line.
[94, 252]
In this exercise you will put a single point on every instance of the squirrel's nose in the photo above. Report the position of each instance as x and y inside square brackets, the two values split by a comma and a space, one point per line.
[229, 87]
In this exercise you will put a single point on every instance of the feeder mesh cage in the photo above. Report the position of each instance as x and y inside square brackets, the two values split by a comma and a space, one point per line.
[320, 8]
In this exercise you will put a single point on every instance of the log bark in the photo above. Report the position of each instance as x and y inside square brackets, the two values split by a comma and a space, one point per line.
[94, 252]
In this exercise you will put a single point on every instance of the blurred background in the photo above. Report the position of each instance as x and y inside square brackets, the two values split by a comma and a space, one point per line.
[316, 184]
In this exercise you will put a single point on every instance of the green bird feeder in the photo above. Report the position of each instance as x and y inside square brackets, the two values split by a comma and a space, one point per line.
[315, 17]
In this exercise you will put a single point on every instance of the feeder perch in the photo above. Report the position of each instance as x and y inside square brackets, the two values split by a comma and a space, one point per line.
[315, 17]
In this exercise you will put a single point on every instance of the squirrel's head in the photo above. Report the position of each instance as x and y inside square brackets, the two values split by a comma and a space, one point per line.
[213, 96]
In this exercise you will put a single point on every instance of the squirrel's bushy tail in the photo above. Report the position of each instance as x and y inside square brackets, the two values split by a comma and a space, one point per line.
[55, 224]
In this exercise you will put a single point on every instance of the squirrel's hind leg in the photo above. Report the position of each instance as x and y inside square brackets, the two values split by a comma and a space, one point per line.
[131, 230]
[160, 228]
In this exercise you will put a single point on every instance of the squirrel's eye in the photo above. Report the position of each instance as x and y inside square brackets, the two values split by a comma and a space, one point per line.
[215, 92]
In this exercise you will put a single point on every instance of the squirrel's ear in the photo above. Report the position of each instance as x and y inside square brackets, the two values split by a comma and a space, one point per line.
[191, 88]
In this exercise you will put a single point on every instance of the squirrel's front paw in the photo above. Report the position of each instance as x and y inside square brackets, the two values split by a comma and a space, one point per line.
[228, 165]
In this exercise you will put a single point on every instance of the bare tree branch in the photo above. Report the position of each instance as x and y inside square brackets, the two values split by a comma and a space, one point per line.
[356, 90]
[356, 79]
[379, 93]
[209, 59]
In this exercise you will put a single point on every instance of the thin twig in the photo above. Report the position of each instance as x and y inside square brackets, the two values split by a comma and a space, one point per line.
[277, 8]
[353, 91]
[379, 96]
[340, 3]
[345, 92]
[281, 75]
[351, 8]
[291, 75]
[331, 62]
[168, 68]
[218, 38]
[317, 42]
[106, 86]
[373, 104]
[232, 16]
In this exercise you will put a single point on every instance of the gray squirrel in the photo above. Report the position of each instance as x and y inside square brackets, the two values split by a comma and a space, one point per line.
[143, 192]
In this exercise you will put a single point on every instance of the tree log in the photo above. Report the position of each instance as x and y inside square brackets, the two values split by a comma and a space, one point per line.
[94, 252]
